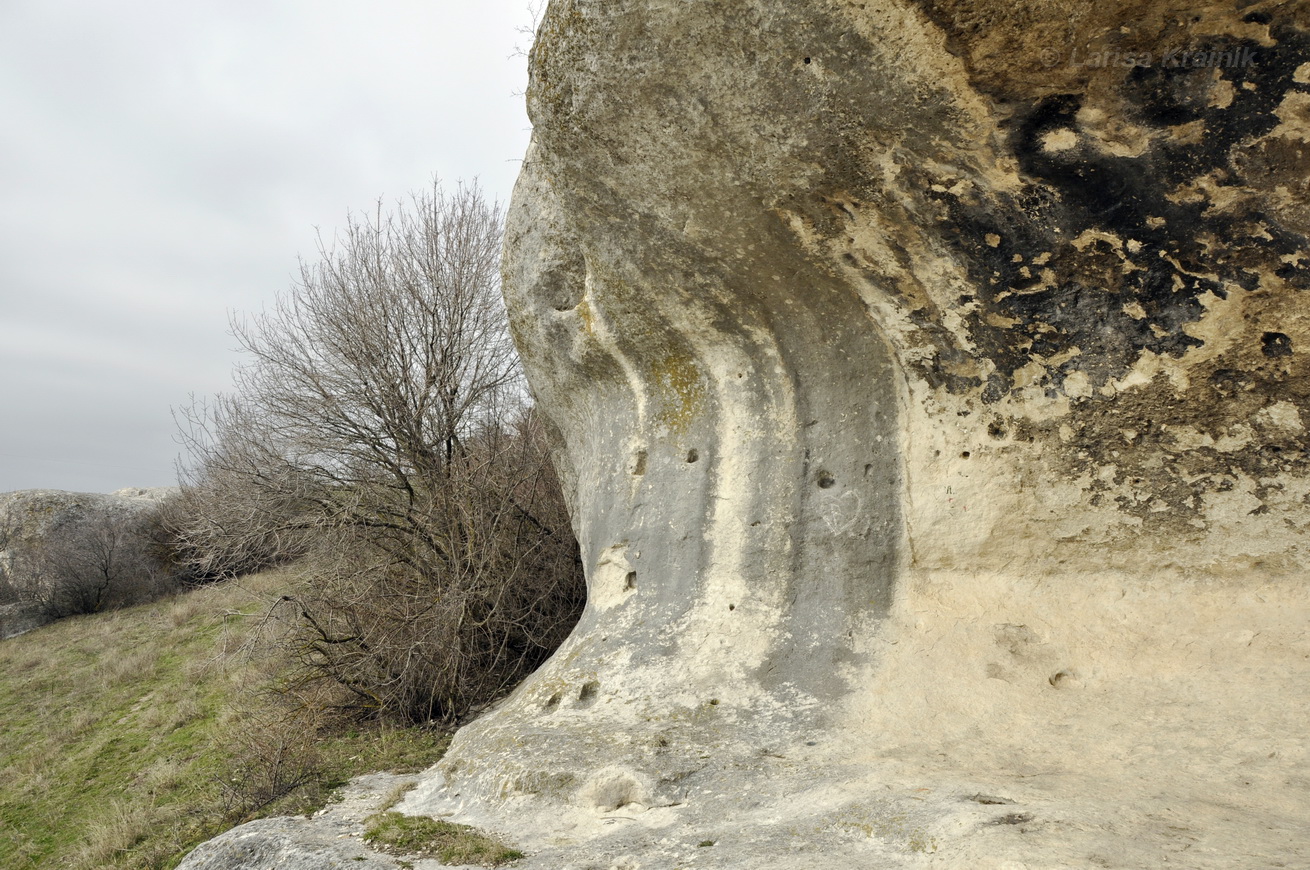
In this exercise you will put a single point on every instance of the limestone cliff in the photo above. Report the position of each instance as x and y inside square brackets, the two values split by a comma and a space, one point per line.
[871, 329]
[930, 381]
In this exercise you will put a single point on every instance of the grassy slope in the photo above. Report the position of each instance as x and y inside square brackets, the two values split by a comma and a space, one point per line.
[116, 730]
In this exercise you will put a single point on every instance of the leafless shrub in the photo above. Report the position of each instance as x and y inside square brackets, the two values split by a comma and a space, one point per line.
[113, 836]
[379, 432]
[270, 758]
[432, 627]
[98, 561]
[8, 594]
[237, 510]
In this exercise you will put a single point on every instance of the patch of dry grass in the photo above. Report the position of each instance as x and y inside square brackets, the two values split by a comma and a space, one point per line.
[120, 730]
[431, 838]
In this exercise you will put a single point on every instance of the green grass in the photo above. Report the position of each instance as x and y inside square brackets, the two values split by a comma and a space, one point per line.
[430, 838]
[129, 737]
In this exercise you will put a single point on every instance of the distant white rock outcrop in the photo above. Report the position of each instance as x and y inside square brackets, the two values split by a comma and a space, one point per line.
[31, 518]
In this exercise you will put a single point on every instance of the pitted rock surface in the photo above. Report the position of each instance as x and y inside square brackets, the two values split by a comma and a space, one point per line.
[930, 383]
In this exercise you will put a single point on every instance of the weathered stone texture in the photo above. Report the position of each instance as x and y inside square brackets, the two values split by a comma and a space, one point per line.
[909, 361]
[930, 380]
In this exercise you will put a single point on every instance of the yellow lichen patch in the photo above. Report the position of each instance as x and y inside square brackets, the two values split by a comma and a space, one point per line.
[677, 383]
[1059, 140]
[1134, 310]
[1294, 113]
[587, 316]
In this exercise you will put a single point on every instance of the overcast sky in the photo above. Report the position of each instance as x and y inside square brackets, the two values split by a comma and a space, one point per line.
[164, 163]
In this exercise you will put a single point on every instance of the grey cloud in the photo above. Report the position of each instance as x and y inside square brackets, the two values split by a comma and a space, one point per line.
[163, 164]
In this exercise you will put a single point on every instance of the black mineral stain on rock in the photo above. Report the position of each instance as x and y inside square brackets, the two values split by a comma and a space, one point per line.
[1103, 256]
[1275, 344]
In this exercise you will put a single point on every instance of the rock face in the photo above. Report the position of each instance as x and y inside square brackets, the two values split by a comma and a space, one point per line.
[332, 839]
[930, 380]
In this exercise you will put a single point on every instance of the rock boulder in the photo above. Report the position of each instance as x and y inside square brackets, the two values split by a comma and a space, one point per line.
[32, 519]
[930, 380]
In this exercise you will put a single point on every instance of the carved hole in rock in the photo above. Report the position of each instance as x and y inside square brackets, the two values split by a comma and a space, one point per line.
[732, 607]
[639, 463]
[990, 799]
[630, 581]
[692, 455]
[826, 480]
[613, 789]
[552, 702]
[1063, 679]
[807, 60]
[587, 694]
[561, 290]
[562, 283]
[964, 455]
[1012, 819]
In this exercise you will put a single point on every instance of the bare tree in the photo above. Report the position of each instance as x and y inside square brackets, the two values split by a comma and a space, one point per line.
[393, 342]
[98, 562]
[380, 430]
[8, 594]
[237, 511]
